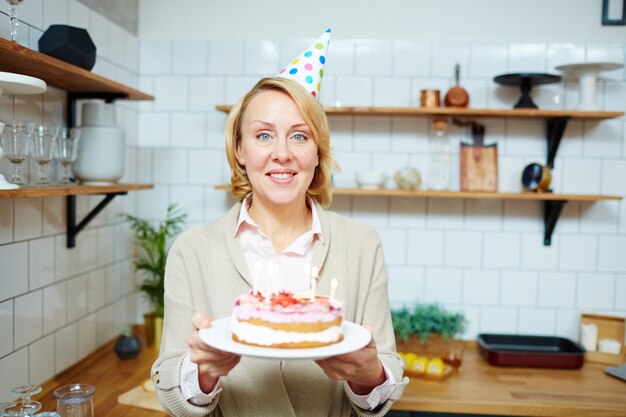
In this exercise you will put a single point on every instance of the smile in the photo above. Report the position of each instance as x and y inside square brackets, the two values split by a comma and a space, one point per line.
[281, 175]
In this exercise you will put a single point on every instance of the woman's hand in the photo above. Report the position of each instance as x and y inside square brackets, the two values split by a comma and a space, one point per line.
[361, 369]
[212, 363]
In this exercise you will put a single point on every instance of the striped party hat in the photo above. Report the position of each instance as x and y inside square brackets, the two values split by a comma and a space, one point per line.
[308, 67]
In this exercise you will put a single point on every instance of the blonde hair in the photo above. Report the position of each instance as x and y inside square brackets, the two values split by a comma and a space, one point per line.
[314, 116]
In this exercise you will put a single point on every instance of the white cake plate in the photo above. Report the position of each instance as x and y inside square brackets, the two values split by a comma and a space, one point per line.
[587, 73]
[17, 84]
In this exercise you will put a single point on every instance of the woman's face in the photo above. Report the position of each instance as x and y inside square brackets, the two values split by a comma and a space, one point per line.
[277, 148]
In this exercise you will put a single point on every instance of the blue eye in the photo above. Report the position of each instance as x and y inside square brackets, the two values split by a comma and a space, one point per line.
[264, 136]
[299, 137]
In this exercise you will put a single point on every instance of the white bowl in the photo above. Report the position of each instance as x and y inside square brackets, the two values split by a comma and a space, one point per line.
[370, 180]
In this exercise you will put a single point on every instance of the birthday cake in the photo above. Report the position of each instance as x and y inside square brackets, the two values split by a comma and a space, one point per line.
[286, 320]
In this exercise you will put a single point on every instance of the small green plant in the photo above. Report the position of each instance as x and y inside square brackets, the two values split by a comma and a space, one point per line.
[152, 239]
[426, 319]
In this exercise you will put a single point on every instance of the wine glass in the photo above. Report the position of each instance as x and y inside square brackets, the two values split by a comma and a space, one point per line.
[16, 141]
[25, 406]
[67, 144]
[43, 144]
[13, 17]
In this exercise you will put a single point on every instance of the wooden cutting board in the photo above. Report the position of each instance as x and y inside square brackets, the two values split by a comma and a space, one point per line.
[479, 167]
[141, 396]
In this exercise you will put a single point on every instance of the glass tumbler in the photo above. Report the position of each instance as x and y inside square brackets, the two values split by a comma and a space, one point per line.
[42, 150]
[15, 141]
[75, 400]
[67, 145]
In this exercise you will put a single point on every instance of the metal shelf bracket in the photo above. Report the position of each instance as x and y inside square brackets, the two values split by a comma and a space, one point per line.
[551, 212]
[555, 130]
[70, 216]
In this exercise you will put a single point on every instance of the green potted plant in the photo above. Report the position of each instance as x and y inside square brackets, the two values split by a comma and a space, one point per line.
[152, 239]
[425, 327]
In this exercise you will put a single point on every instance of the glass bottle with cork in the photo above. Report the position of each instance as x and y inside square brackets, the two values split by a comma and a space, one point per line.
[439, 156]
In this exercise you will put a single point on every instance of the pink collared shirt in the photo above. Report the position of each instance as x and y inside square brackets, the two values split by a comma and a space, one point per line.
[293, 260]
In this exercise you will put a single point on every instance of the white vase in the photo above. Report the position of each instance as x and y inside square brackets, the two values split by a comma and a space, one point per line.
[100, 158]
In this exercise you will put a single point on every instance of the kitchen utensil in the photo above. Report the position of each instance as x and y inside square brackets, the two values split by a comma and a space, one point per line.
[587, 73]
[536, 177]
[479, 162]
[530, 351]
[525, 81]
[429, 98]
[617, 371]
[75, 400]
[456, 96]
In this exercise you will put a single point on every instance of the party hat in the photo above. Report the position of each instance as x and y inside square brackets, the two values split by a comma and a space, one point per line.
[308, 67]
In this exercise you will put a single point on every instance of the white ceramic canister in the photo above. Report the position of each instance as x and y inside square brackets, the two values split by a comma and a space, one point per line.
[101, 152]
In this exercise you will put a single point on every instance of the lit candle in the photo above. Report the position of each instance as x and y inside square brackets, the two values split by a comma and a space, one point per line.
[307, 275]
[314, 274]
[276, 278]
[257, 275]
[333, 288]
[269, 279]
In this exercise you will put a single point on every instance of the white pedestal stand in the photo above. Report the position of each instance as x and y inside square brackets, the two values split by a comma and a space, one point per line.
[17, 84]
[587, 74]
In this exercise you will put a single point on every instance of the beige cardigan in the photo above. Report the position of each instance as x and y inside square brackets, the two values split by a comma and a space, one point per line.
[206, 271]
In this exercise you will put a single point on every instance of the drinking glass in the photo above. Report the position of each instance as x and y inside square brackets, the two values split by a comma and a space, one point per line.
[43, 144]
[16, 141]
[67, 144]
[75, 400]
[13, 18]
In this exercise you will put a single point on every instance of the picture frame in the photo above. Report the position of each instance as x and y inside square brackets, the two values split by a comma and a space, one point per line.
[606, 8]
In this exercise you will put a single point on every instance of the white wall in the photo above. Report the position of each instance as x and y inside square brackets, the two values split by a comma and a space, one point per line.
[483, 257]
[57, 305]
[530, 20]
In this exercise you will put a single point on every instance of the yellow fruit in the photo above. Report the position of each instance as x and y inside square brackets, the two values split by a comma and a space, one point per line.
[420, 364]
[409, 359]
[435, 366]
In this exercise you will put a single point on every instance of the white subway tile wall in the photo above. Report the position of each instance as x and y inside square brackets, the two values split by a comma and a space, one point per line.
[483, 257]
[52, 298]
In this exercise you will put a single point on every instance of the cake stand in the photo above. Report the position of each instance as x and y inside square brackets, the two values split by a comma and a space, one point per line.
[587, 74]
[17, 84]
[526, 81]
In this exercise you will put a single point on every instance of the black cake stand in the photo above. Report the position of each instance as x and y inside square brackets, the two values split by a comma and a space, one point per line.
[526, 81]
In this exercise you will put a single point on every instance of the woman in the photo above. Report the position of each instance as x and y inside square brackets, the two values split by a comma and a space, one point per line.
[278, 147]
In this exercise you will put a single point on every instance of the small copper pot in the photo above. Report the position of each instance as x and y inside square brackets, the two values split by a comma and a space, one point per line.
[430, 98]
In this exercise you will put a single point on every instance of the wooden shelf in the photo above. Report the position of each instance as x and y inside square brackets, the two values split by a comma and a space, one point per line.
[462, 112]
[56, 73]
[388, 192]
[31, 192]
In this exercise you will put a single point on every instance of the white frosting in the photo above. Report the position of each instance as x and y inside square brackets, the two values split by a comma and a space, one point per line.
[265, 336]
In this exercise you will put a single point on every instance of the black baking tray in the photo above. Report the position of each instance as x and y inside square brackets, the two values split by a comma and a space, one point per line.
[531, 351]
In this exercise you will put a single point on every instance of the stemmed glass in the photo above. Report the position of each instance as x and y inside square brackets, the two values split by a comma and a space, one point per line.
[15, 141]
[42, 150]
[13, 16]
[67, 144]
[25, 406]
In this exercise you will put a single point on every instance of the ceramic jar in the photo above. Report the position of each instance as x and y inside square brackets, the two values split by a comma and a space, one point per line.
[100, 159]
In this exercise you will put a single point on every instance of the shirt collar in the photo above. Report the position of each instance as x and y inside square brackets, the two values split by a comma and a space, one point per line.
[244, 217]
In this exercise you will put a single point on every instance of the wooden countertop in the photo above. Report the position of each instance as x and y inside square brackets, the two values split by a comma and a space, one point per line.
[478, 389]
